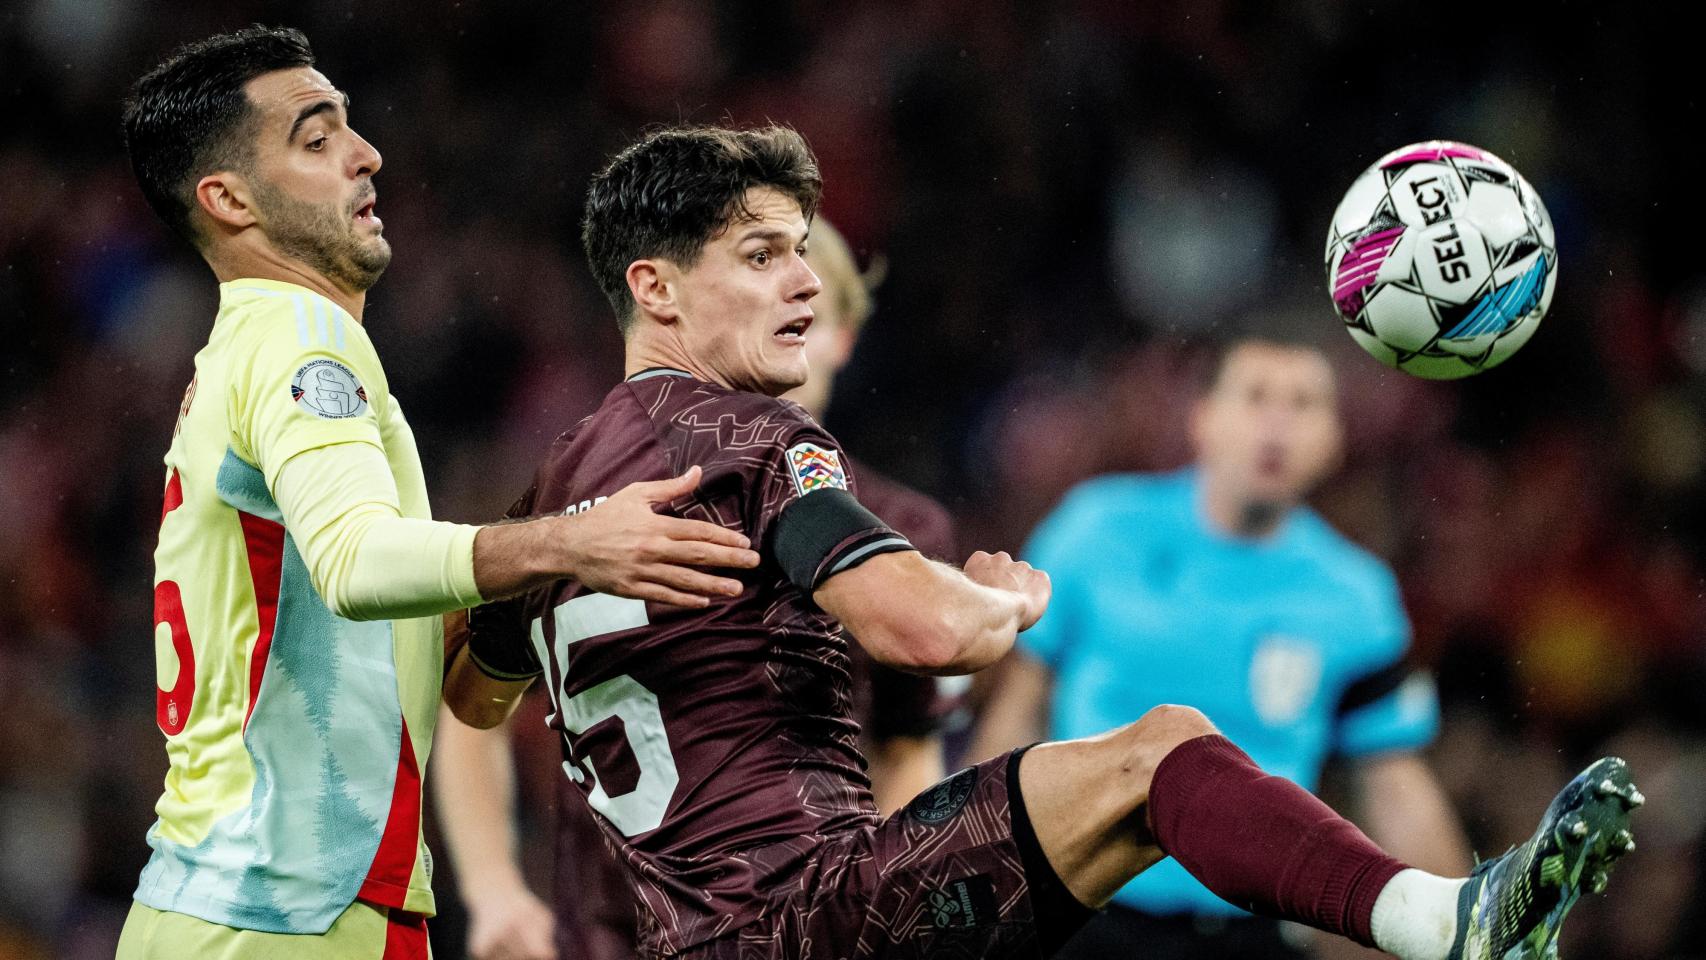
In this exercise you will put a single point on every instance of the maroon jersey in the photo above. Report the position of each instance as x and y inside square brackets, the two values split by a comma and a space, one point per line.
[717, 746]
[594, 904]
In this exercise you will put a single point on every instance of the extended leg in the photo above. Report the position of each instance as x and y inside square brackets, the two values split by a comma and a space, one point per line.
[1106, 808]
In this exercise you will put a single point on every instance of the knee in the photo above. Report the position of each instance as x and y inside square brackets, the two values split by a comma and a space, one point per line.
[1145, 743]
[1173, 724]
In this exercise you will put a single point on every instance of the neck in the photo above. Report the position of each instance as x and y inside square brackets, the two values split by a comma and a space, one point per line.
[270, 265]
[647, 353]
[1241, 516]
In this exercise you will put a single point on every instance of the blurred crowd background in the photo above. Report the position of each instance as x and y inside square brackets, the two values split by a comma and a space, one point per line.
[1069, 199]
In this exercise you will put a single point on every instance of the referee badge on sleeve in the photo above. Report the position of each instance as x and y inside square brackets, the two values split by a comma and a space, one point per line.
[815, 468]
[329, 390]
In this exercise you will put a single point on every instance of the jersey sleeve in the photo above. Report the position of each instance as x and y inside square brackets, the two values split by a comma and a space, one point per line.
[306, 385]
[498, 639]
[801, 509]
[1055, 548]
[1392, 705]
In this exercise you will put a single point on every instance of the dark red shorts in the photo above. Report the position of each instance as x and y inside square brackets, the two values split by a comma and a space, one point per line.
[958, 873]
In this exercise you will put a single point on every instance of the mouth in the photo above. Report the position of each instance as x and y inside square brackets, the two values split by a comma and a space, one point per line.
[364, 214]
[1271, 460]
[794, 331]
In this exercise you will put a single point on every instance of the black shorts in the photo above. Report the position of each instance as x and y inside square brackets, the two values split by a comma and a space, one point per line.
[957, 873]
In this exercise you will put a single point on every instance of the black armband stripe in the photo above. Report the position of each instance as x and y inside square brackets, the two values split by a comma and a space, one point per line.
[498, 643]
[827, 532]
[1374, 686]
[885, 542]
[494, 672]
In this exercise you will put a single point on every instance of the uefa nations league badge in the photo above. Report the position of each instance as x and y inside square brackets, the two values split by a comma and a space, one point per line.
[327, 389]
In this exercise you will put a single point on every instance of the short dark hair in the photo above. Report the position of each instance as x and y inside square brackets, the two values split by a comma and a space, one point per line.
[669, 194]
[187, 117]
[1221, 349]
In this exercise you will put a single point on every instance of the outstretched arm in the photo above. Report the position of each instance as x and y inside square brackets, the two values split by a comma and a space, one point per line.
[368, 562]
[925, 617]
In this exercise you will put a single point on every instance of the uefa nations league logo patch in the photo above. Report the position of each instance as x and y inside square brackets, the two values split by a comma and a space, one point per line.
[815, 468]
[327, 389]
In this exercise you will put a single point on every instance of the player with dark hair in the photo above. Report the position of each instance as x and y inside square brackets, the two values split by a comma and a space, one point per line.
[1234, 595]
[899, 715]
[716, 747]
[299, 579]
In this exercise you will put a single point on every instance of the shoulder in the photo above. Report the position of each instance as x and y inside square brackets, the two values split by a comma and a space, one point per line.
[694, 404]
[706, 424]
[281, 331]
[1125, 496]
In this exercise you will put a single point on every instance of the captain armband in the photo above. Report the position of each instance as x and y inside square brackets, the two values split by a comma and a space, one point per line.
[826, 532]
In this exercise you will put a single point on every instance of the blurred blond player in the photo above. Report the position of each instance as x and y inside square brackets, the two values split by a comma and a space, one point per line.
[298, 579]
[592, 914]
[1216, 586]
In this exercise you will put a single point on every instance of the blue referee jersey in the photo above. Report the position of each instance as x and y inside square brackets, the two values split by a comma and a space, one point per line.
[1293, 644]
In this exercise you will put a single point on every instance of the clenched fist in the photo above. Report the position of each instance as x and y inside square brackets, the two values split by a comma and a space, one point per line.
[1002, 572]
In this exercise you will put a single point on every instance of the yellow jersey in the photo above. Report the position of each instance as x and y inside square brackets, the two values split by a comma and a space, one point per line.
[296, 738]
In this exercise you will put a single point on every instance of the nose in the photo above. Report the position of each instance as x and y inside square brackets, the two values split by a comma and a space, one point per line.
[807, 285]
[365, 159]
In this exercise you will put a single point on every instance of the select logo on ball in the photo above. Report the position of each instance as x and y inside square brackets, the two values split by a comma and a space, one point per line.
[329, 390]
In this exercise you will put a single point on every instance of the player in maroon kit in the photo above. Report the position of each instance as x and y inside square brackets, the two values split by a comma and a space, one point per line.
[899, 716]
[716, 747]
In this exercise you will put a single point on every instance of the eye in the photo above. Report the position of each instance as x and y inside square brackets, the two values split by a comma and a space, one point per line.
[760, 258]
[318, 143]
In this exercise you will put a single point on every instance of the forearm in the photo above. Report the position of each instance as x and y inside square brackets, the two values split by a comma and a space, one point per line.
[473, 776]
[921, 616]
[365, 560]
[475, 697]
[980, 622]
[510, 558]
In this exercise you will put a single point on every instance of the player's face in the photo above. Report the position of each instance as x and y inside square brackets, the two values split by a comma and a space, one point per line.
[1269, 430]
[313, 179]
[746, 303]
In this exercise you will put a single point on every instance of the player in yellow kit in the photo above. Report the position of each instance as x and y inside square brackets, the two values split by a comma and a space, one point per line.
[299, 579]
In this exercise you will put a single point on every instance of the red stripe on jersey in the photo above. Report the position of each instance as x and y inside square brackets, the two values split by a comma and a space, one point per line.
[172, 707]
[388, 879]
[174, 494]
[264, 540]
[405, 936]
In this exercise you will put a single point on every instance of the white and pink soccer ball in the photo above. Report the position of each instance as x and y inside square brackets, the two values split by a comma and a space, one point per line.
[1441, 260]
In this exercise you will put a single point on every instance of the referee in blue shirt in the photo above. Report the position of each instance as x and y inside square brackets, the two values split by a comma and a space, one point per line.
[1217, 588]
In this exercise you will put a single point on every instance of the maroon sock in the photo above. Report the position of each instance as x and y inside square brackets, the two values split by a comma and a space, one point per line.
[1263, 842]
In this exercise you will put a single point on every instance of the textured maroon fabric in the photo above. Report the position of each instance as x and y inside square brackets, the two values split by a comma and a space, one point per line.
[594, 903]
[1264, 843]
[748, 702]
[946, 878]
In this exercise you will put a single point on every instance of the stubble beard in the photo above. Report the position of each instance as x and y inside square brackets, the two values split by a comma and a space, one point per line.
[323, 237]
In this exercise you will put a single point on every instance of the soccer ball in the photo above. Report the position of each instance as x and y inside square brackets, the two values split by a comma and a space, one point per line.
[1441, 260]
